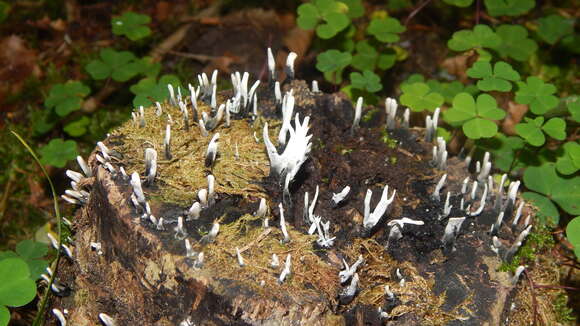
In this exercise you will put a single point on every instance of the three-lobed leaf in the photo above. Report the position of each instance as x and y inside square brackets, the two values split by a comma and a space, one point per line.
[78, 127]
[368, 81]
[497, 79]
[332, 60]
[537, 94]
[481, 36]
[569, 162]
[57, 152]
[508, 7]
[386, 30]
[328, 17]
[149, 90]
[554, 27]
[119, 65]
[515, 42]
[475, 115]
[532, 130]
[66, 98]
[419, 97]
[131, 25]
[564, 191]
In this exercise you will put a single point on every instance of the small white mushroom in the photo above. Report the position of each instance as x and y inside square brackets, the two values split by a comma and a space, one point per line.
[391, 112]
[202, 196]
[240, 258]
[180, 232]
[150, 165]
[189, 252]
[438, 187]
[159, 110]
[212, 150]
[137, 189]
[357, 115]
[199, 261]
[211, 196]
[271, 65]
[60, 316]
[348, 293]
[277, 93]
[287, 269]
[167, 142]
[194, 211]
[84, 167]
[511, 252]
[496, 226]
[371, 219]
[481, 202]
[349, 271]
[314, 87]
[283, 224]
[406, 116]
[290, 65]
[451, 230]
[141, 118]
[74, 176]
[262, 209]
[339, 197]
[107, 320]
[275, 262]
[517, 274]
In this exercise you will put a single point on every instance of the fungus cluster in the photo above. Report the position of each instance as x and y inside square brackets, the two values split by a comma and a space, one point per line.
[294, 148]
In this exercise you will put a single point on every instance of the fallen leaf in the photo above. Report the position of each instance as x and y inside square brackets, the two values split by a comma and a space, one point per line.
[18, 64]
[515, 114]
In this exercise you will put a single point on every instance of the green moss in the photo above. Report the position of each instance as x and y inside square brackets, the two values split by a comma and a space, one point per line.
[564, 313]
[370, 115]
[540, 239]
[391, 143]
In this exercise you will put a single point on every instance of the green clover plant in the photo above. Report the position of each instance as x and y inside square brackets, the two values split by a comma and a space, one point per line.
[475, 116]
[17, 288]
[497, 8]
[149, 90]
[569, 162]
[119, 65]
[131, 25]
[386, 30]
[57, 152]
[553, 28]
[497, 79]
[532, 130]
[419, 97]
[537, 94]
[515, 42]
[367, 81]
[573, 234]
[328, 17]
[481, 36]
[66, 98]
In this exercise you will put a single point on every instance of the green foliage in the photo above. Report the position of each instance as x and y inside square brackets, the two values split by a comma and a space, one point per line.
[569, 162]
[386, 30]
[328, 17]
[4, 11]
[508, 7]
[119, 65]
[78, 127]
[131, 25]
[496, 80]
[532, 130]
[368, 81]
[537, 94]
[554, 27]
[515, 43]
[66, 98]
[332, 60]
[475, 116]
[459, 3]
[574, 109]
[503, 149]
[30, 252]
[368, 58]
[573, 234]
[564, 191]
[482, 36]
[57, 152]
[16, 286]
[419, 97]
[149, 90]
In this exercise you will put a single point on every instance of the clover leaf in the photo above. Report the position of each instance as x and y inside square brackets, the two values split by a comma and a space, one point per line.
[332, 60]
[475, 116]
[329, 17]
[574, 109]
[355, 8]
[537, 94]
[573, 234]
[367, 57]
[66, 98]
[508, 7]
[16, 286]
[533, 130]
[482, 36]
[496, 80]
[368, 81]
[78, 127]
[32, 252]
[515, 42]
[564, 191]
[57, 152]
[132, 25]
[419, 97]
[149, 90]
[554, 27]
[386, 30]
[459, 3]
[119, 65]
[569, 162]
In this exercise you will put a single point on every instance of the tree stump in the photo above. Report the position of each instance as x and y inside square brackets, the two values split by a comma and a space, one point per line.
[144, 275]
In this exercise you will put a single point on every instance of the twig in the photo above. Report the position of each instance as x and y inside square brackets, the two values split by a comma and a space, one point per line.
[198, 57]
[416, 11]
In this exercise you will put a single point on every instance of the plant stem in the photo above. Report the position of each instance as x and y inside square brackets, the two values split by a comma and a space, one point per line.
[40, 315]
